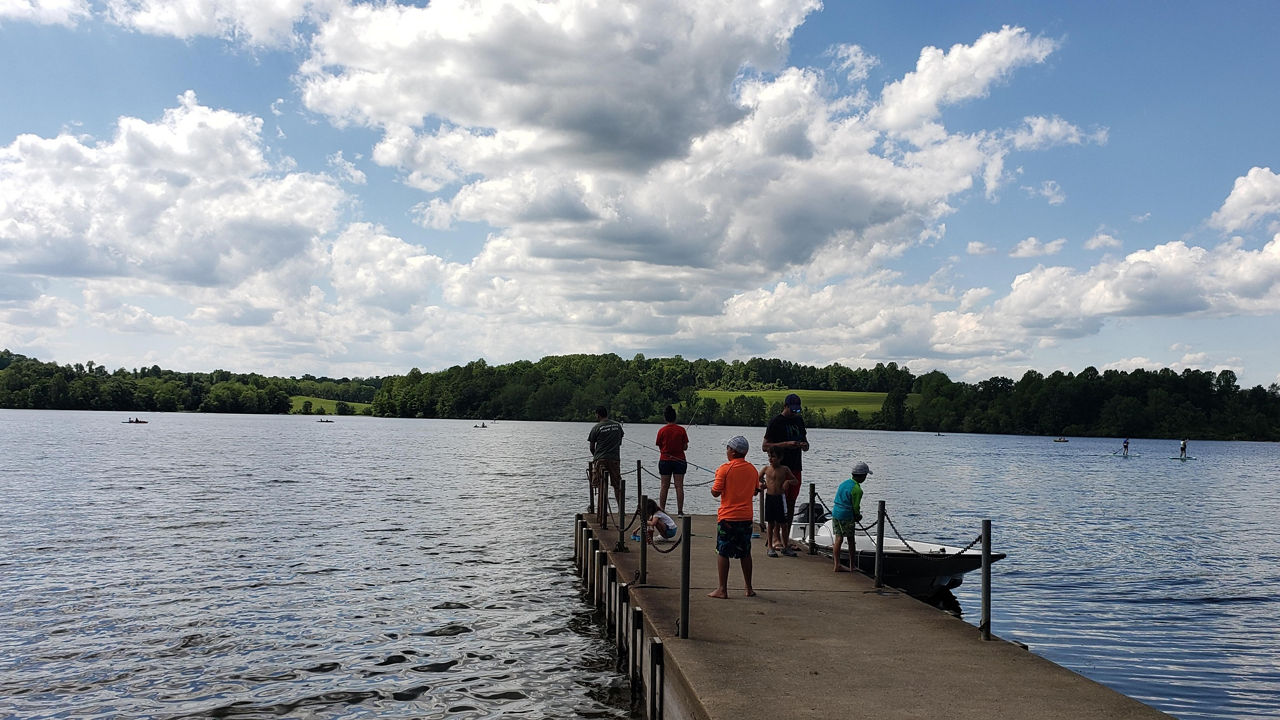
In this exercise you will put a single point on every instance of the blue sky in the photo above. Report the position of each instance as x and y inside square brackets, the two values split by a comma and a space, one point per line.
[345, 188]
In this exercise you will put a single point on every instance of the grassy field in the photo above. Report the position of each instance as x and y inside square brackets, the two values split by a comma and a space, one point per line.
[812, 400]
[330, 406]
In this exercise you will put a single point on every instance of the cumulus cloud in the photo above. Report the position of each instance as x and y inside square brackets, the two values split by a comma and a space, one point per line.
[190, 199]
[1032, 247]
[256, 22]
[658, 174]
[45, 12]
[1253, 197]
[346, 170]
[963, 73]
[519, 84]
[1101, 240]
[1049, 190]
[854, 62]
[1038, 133]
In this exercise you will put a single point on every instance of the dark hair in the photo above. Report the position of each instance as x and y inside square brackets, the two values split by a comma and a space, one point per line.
[650, 507]
[669, 414]
[602, 411]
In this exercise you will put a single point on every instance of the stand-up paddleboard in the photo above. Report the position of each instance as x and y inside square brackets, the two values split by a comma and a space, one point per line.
[1184, 459]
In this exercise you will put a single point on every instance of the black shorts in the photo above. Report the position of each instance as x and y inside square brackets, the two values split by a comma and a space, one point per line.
[775, 509]
[672, 467]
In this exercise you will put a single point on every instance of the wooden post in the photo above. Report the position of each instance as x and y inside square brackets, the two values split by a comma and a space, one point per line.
[591, 490]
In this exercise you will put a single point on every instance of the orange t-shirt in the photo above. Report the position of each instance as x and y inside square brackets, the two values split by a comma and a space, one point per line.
[736, 481]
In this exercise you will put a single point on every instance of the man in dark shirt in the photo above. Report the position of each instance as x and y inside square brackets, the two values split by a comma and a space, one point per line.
[786, 432]
[605, 439]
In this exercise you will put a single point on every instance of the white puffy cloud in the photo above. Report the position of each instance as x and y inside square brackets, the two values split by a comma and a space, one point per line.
[572, 82]
[1101, 240]
[648, 180]
[1033, 247]
[963, 73]
[45, 12]
[190, 199]
[977, 247]
[854, 62]
[1038, 133]
[256, 22]
[1049, 190]
[1253, 197]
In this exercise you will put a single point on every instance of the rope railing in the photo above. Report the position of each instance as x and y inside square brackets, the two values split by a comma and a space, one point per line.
[867, 530]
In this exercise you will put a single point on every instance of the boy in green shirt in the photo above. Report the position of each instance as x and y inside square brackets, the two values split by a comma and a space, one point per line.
[846, 511]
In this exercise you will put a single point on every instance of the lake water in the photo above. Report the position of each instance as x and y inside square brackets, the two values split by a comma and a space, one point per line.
[266, 566]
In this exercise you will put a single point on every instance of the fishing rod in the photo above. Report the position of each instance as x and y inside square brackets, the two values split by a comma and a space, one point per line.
[655, 449]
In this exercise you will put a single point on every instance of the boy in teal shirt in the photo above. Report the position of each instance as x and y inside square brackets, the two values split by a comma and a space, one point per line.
[846, 511]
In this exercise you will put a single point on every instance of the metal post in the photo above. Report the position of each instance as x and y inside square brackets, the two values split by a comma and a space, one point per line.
[602, 501]
[591, 491]
[622, 513]
[686, 528]
[853, 553]
[635, 653]
[813, 537]
[588, 563]
[602, 559]
[620, 623]
[986, 580]
[611, 587]
[644, 549]
[657, 678]
[577, 539]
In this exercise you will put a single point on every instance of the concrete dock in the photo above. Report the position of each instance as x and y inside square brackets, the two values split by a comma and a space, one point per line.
[817, 644]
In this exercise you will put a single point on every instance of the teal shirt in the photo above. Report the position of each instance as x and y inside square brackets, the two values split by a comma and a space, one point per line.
[848, 502]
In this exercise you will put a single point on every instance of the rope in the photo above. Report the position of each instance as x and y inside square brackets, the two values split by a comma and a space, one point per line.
[931, 556]
[655, 449]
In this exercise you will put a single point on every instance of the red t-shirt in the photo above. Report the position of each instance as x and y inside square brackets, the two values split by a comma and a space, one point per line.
[672, 440]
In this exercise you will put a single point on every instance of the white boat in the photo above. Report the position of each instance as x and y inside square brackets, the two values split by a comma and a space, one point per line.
[917, 567]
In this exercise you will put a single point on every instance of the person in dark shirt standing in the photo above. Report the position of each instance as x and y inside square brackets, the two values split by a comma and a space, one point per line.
[605, 440]
[787, 433]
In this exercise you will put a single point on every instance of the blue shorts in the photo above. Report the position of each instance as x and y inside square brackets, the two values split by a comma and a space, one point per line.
[733, 538]
[672, 467]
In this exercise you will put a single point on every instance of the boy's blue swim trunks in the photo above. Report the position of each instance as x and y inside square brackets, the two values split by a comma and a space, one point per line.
[733, 538]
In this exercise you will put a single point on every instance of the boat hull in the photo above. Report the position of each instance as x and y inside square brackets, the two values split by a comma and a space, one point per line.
[916, 567]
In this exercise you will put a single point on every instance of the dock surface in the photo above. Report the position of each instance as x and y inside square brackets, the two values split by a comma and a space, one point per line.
[817, 644]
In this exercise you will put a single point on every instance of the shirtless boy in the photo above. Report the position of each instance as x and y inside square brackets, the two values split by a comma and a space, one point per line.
[777, 480]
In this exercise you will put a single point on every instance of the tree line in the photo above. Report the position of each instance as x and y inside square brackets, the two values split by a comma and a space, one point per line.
[27, 383]
[1139, 403]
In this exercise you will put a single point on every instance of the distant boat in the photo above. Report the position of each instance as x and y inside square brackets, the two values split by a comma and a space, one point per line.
[324, 421]
[134, 421]
[1061, 440]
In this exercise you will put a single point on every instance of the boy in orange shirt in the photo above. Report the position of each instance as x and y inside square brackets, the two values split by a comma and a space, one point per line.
[736, 485]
